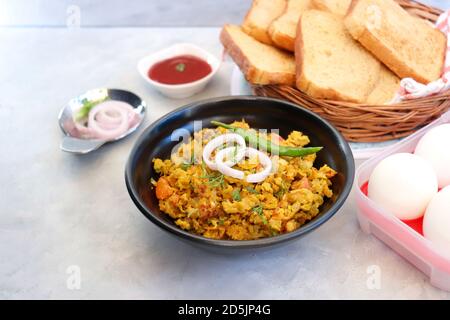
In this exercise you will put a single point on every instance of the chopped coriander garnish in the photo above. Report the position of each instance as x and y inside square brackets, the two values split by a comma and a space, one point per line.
[180, 67]
[185, 166]
[221, 147]
[251, 190]
[283, 189]
[259, 210]
[279, 194]
[236, 195]
[214, 179]
[234, 157]
[204, 172]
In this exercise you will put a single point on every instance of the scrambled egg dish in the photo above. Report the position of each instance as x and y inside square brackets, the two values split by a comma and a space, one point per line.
[208, 203]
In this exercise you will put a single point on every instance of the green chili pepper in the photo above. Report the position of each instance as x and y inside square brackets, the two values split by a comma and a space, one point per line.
[254, 140]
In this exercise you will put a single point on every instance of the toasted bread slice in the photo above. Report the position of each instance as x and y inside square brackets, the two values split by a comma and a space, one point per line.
[260, 16]
[387, 86]
[284, 29]
[260, 63]
[330, 63]
[339, 7]
[409, 46]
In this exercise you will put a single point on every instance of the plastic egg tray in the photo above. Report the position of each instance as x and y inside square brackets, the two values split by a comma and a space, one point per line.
[404, 237]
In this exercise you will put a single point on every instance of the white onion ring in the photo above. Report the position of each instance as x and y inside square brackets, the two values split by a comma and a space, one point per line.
[238, 174]
[222, 166]
[101, 130]
[264, 160]
[219, 141]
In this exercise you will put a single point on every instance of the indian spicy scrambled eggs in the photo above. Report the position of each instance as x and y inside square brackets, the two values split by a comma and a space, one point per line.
[207, 203]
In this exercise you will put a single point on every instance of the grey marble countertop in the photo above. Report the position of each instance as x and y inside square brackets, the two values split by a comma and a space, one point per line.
[65, 218]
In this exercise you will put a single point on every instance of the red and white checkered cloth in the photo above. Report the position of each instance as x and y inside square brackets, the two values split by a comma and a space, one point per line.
[411, 89]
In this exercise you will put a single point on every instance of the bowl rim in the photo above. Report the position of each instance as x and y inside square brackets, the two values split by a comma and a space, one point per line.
[313, 224]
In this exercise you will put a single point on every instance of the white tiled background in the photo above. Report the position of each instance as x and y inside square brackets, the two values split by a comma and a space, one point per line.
[131, 13]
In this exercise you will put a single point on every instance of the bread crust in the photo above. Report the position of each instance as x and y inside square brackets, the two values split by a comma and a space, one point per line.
[258, 32]
[389, 57]
[351, 7]
[282, 30]
[384, 54]
[302, 83]
[308, 87]
[251, 73]
[282, 40]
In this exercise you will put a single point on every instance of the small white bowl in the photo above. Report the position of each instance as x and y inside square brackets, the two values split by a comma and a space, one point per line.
[178, 91]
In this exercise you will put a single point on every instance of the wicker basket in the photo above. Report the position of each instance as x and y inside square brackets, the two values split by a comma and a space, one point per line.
[371, 123]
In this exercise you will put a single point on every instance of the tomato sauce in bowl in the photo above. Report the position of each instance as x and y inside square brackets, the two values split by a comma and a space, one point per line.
[179, 70]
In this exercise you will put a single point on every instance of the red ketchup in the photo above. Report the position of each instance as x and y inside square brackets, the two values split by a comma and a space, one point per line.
[179, 70]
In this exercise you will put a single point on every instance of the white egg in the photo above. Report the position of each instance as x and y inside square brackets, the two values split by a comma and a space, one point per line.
[403, 184]
[436, 222]
[435, 148]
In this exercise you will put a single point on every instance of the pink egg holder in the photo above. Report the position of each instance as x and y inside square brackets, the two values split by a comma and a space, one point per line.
[395, 233]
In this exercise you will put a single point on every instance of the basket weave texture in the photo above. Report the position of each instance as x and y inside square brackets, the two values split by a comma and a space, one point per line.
[371, 123]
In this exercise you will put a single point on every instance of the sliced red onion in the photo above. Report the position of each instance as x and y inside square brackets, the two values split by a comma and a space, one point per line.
[80, 130]
[108, 117]
[107, 130]
[219, 141]
[133, 119]
[107, 121]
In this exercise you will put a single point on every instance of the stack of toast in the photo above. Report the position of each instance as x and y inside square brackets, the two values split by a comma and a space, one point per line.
[344, 50]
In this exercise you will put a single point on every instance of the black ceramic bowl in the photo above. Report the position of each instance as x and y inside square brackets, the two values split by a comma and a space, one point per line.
[155, 142]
